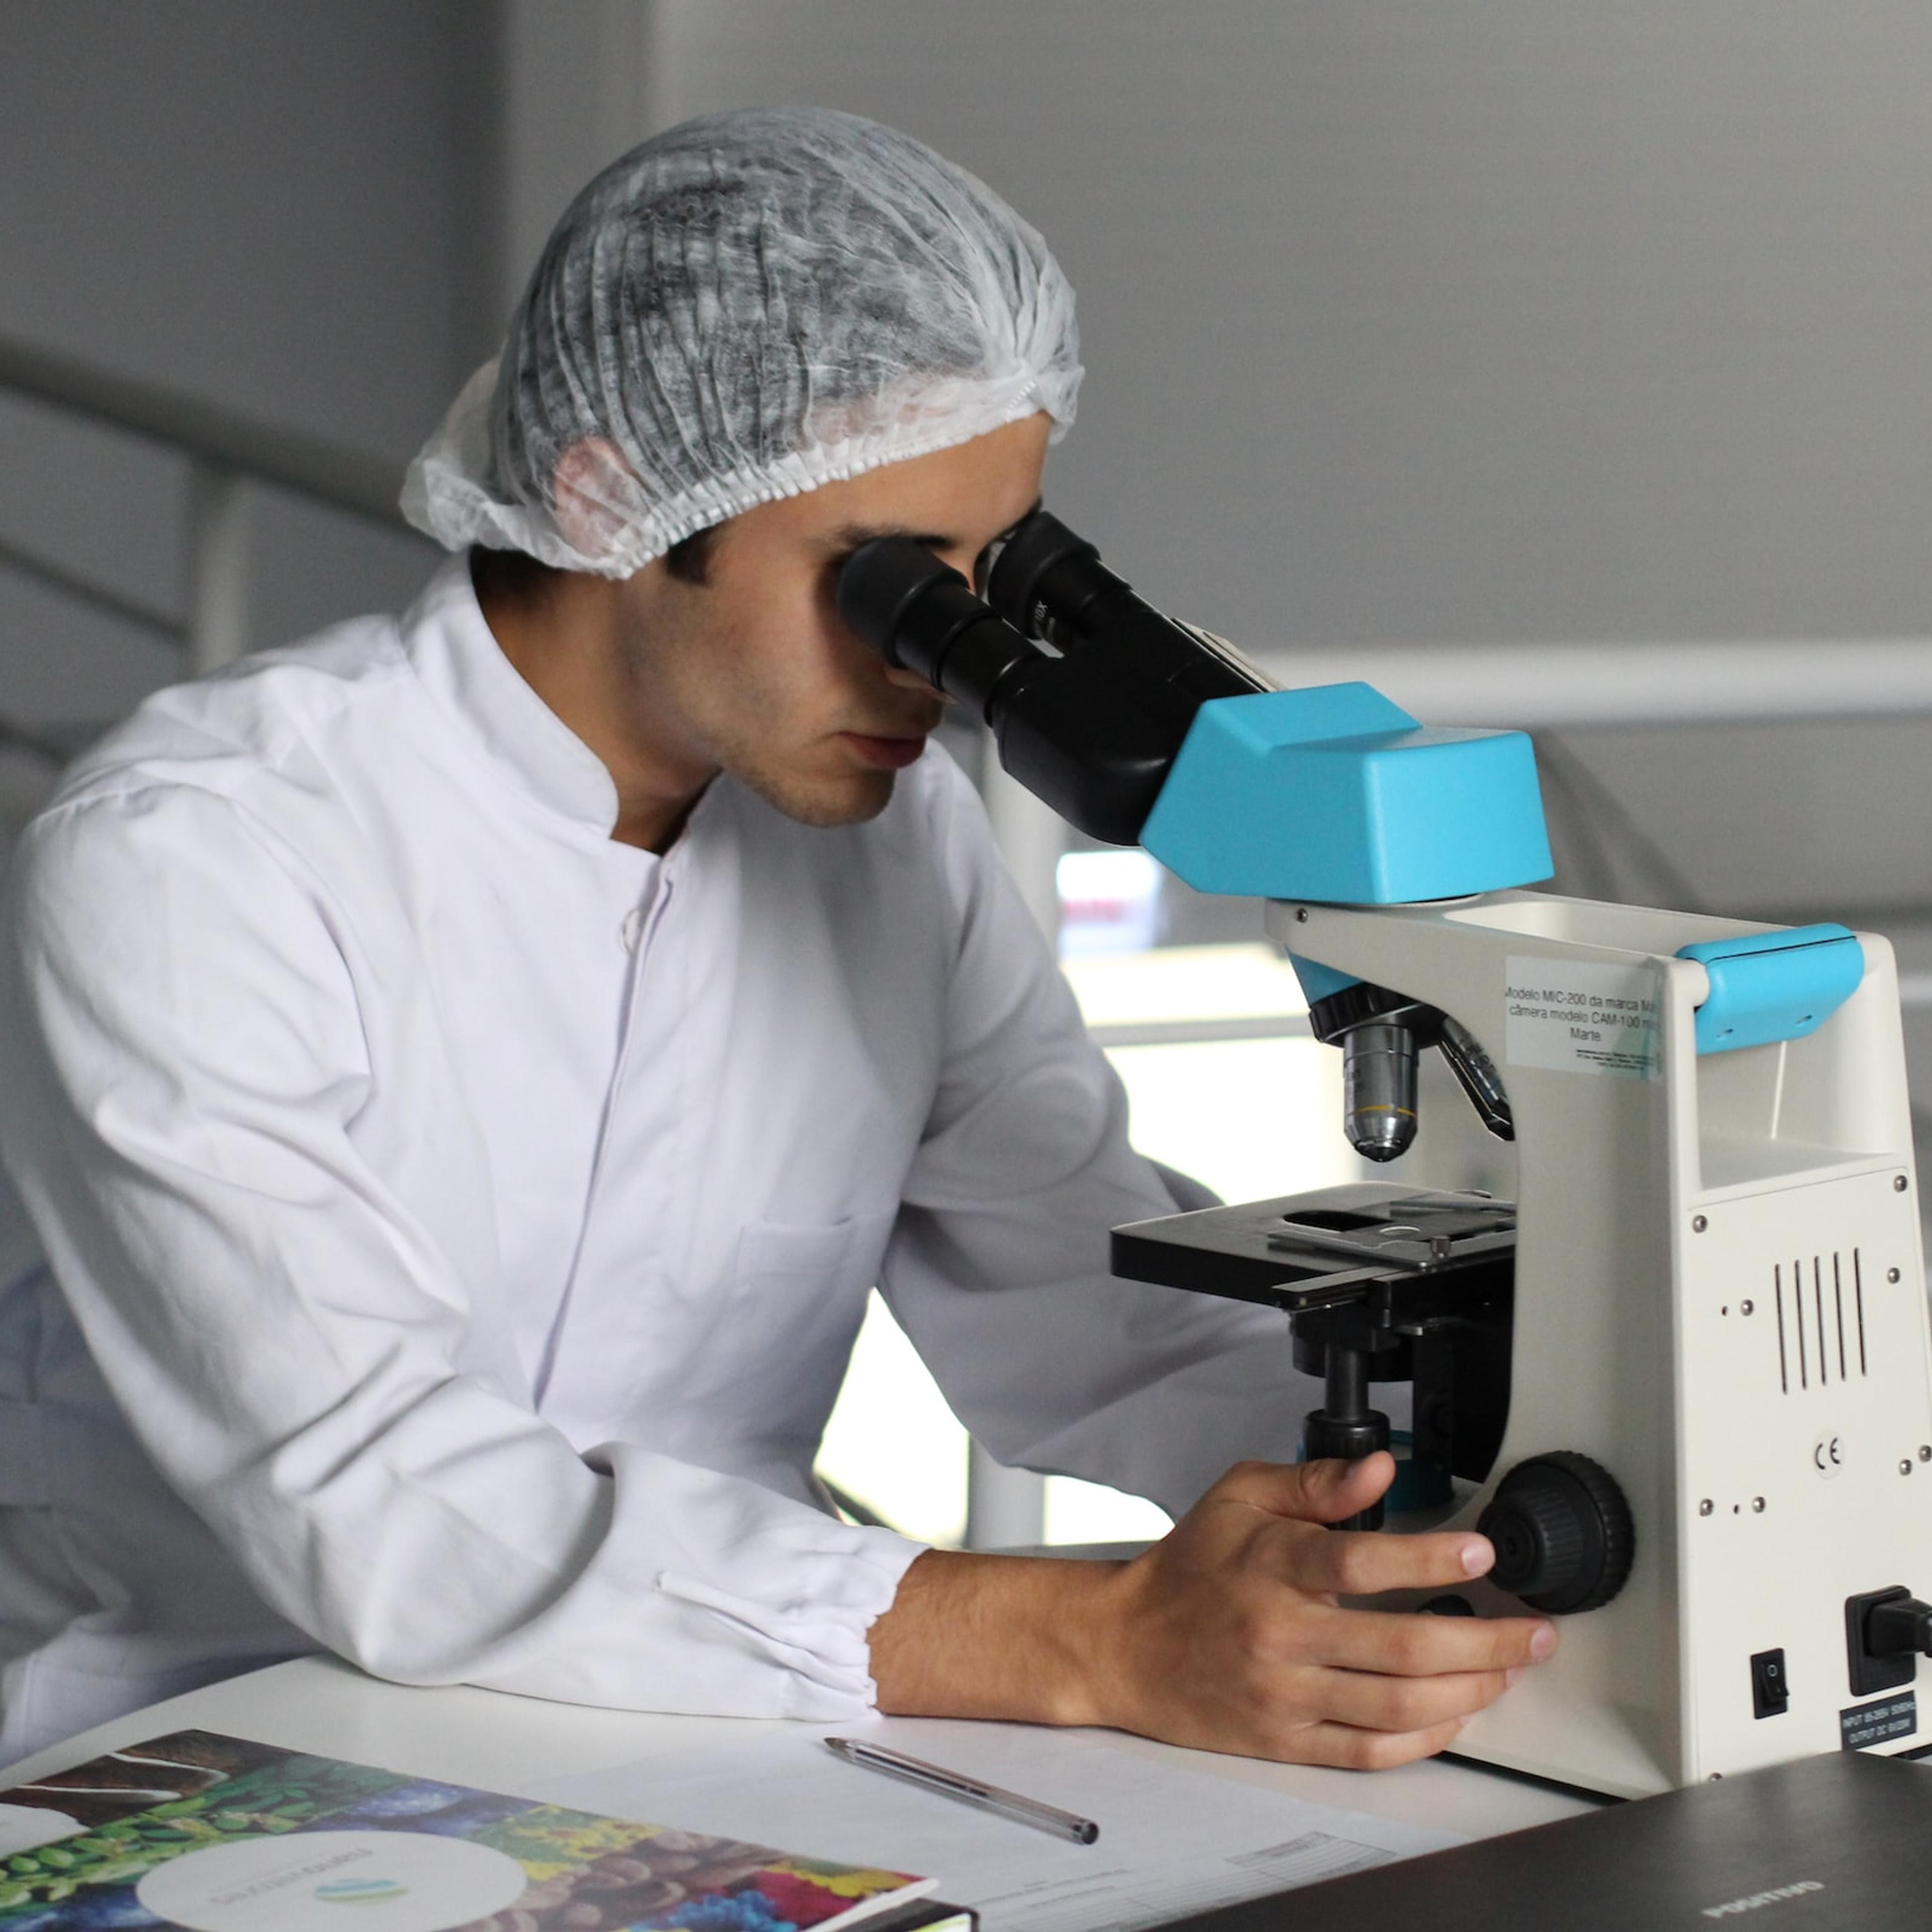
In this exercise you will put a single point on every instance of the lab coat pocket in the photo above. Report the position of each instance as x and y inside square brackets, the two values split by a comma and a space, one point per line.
[798, 1295]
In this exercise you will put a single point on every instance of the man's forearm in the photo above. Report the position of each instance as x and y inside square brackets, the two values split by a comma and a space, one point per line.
[1017, 1637]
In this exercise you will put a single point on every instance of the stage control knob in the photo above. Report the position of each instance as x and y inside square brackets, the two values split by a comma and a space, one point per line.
[1562, 1532]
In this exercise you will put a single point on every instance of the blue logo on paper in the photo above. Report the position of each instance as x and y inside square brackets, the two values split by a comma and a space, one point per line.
[359, 1891]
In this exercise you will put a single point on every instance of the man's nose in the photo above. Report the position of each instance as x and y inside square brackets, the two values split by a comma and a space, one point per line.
[901, 680]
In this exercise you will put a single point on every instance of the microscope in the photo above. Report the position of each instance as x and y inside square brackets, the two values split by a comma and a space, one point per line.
[1683, 1382]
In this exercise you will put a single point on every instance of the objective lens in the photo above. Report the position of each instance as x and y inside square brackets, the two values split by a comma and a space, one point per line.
[1379, 1090]
[1481, 1080]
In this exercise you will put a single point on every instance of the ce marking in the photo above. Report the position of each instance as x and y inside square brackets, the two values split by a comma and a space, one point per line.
[1828, 1456]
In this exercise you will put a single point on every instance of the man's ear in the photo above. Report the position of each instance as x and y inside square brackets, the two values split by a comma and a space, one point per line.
[595, 497]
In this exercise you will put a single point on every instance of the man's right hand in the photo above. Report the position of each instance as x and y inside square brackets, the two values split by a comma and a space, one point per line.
[1227, 1635]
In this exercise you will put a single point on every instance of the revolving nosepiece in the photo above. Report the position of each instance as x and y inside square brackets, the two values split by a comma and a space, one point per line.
[1379, 1089]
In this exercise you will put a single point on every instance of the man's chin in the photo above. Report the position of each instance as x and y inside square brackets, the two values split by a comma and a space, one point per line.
[824, 804]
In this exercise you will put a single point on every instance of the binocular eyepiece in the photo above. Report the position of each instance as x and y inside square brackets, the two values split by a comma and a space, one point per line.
[1088, 690]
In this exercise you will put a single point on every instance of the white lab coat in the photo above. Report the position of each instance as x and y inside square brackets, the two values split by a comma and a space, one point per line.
[459, 1222]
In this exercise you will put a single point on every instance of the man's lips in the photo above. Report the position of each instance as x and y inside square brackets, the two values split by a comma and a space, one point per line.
[891, 754]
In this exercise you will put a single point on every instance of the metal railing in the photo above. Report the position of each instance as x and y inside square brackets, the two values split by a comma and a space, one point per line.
[226, 451]
[1553, 687]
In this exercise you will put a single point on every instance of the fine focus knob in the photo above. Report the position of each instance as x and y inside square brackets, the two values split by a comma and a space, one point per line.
[1562, 1532]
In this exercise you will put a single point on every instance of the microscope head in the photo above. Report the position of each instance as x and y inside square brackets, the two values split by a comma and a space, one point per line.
[1138, 728]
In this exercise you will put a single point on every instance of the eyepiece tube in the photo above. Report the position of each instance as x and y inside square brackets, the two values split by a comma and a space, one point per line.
[1050, 584]
[1379, 1089]
[919, 614]
[1044, 580]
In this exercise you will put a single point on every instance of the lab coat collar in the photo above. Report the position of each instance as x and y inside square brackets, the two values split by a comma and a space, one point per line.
[459, 662]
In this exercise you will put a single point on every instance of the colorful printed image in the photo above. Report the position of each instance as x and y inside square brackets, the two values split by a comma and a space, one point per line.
[141, 1808]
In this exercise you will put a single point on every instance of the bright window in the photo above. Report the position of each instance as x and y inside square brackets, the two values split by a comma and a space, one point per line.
[1249, 1116]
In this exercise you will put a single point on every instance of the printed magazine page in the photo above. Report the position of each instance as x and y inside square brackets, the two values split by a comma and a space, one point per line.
[215, 1833]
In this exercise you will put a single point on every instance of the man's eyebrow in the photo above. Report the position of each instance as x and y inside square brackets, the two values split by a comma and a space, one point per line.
[850, 536]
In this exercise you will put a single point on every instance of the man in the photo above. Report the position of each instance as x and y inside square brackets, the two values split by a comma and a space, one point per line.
[466, 1074]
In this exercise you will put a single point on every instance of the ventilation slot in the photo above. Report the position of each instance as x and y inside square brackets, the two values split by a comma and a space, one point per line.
[1821, 1320]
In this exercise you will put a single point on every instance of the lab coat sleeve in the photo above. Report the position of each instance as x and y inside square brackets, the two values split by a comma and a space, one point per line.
[998, 1266]
[296, 1350]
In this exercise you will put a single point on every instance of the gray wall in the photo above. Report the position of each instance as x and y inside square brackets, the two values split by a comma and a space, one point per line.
[277, 208]
[1467, 320]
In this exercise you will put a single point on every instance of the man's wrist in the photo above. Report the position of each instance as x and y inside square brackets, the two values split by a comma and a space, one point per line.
[1029, 1638]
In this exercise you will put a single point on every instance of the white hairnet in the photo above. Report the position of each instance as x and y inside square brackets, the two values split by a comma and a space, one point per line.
[743, 308]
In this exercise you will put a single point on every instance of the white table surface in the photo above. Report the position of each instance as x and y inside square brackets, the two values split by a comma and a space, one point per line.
[497, 1742]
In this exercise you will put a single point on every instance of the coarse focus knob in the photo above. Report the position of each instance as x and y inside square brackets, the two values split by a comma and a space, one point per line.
[1562, 1532]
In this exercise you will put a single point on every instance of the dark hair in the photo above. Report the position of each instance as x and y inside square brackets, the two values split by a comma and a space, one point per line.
[690, 562]
[515, 576]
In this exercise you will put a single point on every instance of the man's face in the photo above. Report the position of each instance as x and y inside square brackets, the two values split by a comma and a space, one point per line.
[752, 672]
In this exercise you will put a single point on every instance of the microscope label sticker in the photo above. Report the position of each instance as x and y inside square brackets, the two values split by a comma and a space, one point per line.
[1581, 1016]
[1865, 1725]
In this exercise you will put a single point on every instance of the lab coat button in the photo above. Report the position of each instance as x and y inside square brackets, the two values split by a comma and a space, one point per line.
[632, 929]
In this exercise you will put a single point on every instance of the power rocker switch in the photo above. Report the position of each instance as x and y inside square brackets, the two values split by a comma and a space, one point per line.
[1771, 1693]
[1884, 1632]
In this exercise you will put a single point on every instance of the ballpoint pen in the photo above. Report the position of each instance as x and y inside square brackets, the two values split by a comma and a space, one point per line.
[968, 1790]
